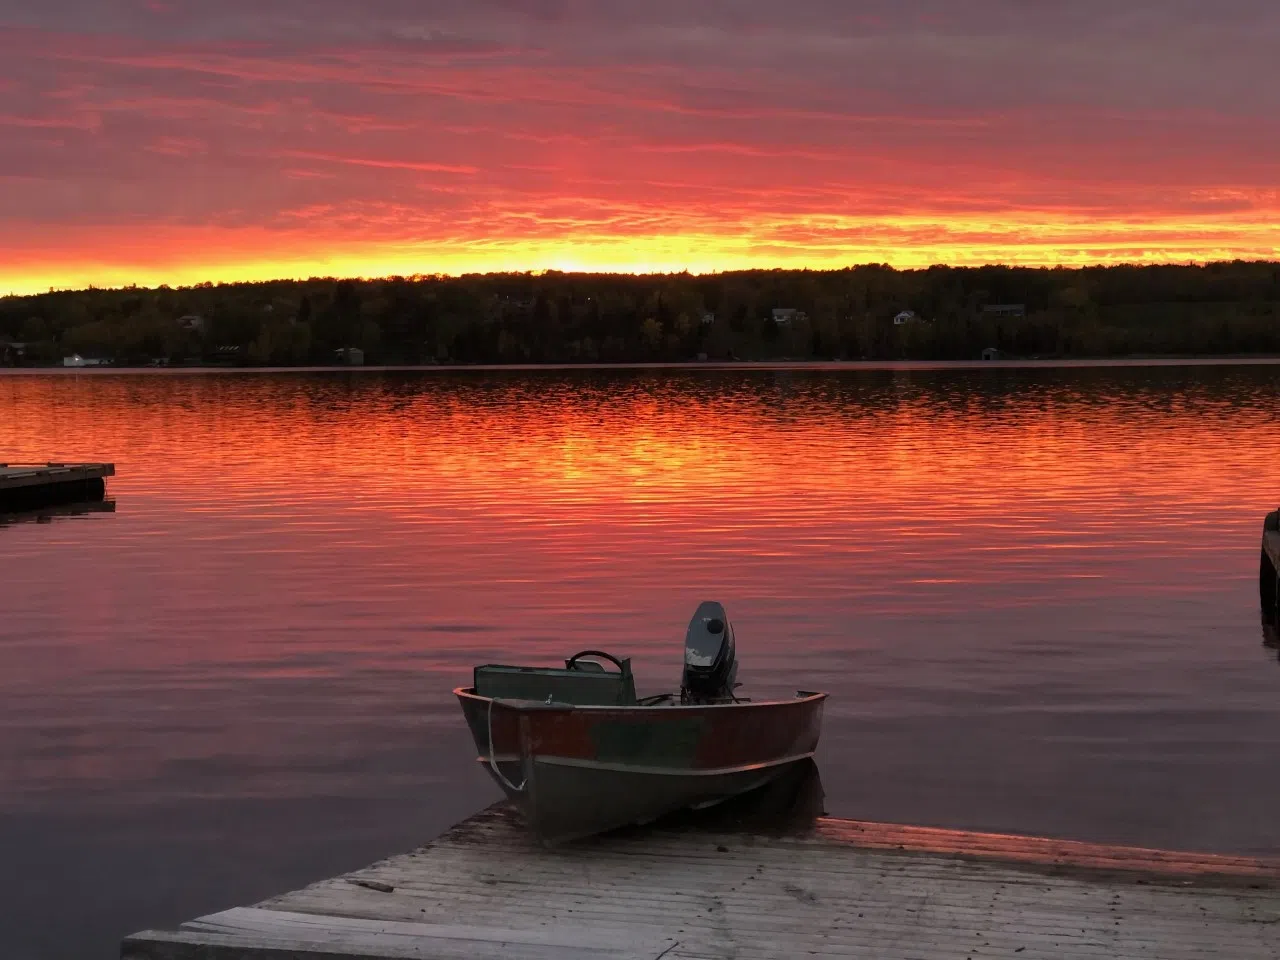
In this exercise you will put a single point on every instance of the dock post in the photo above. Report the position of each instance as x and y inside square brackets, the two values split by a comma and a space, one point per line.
[1268, 573]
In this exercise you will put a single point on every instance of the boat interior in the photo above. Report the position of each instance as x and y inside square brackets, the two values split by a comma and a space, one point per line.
[710, 671]
[582, 682]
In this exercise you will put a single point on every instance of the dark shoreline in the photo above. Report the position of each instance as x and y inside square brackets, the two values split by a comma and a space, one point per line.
[816, 365]
[870, 311]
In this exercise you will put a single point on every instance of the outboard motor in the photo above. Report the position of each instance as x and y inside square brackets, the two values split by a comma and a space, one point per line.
[710, 661]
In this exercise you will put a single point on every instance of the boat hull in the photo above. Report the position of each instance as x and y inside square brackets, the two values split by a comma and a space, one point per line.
[567, 802]
[579, 771]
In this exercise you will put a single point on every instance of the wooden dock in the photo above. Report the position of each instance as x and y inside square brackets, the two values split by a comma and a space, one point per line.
[835, 888]
[26, 486]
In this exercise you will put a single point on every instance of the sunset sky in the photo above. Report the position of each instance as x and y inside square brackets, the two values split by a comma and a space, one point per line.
[174, 141]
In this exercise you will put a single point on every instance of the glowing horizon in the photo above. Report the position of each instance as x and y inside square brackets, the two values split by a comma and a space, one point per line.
[154, 143]
[662, 255]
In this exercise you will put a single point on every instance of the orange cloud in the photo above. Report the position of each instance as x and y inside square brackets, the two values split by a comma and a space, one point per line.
[240, 144]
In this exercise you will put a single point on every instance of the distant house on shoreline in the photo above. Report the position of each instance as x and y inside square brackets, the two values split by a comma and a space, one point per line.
[192, 323]
[75, 360]
[230, 354]
[1006, 309]
[906, 316]
[785, 316]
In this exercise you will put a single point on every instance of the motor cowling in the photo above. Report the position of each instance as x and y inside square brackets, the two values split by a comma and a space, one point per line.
[710, 659]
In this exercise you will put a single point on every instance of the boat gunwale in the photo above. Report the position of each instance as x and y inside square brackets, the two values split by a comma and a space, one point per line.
[606, 766]
[801, 697]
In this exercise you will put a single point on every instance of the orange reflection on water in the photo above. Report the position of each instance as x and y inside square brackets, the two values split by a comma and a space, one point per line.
[1031, 594]
[604, 439]
[301, 562]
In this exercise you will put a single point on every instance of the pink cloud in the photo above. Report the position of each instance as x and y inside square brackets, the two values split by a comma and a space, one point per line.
[383, 164]
[475, 121]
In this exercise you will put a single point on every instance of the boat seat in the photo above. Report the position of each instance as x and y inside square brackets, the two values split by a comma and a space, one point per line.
[579, 687]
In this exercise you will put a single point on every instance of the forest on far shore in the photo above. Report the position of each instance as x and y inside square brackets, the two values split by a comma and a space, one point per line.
[865, 312]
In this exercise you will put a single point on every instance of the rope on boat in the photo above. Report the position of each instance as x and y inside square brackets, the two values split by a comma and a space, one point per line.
[493, 760]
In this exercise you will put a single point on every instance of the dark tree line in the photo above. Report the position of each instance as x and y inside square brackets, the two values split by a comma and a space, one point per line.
[1221, 308]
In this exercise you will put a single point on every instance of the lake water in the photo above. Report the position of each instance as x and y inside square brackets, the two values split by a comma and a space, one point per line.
[1031, 592]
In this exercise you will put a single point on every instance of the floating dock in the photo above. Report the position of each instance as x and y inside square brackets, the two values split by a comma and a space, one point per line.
[27, 486]
[836, 888]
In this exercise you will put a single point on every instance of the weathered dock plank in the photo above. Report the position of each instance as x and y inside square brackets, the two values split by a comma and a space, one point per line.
[246, 929]
[1067, 856]
[24, 486]
[840, 888]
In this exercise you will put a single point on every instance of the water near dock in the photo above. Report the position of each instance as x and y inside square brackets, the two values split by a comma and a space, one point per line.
[1031, 592]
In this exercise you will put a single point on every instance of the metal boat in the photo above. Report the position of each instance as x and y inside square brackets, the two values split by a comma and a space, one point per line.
[579, 754]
